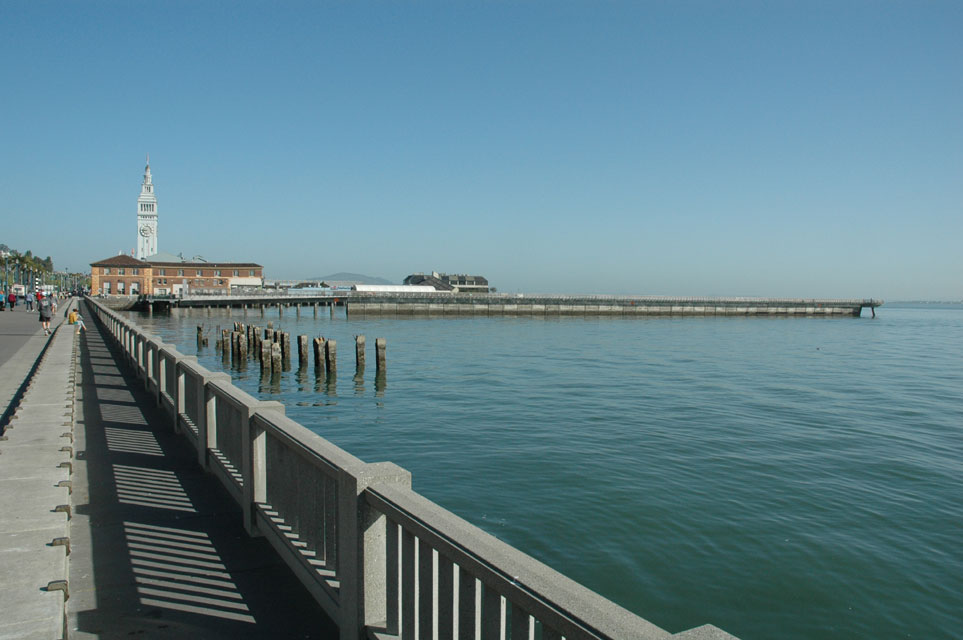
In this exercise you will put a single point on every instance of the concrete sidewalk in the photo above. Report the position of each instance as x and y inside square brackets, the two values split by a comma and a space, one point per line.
[35, 456]
[157, 546]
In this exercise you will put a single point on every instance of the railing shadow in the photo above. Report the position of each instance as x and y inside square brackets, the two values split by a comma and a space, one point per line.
[168, 554]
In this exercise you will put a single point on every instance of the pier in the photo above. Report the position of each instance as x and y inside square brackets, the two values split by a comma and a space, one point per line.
[178, 475]
[361, 303]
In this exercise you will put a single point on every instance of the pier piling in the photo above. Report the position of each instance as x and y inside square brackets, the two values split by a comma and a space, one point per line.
[265, 355]
[380, 348]
[319, 353]
[359, 351]
[302, 351]
[331, 356]
[275, 357]
[285, 341]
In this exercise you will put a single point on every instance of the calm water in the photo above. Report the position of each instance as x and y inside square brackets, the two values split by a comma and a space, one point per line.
[791, 478]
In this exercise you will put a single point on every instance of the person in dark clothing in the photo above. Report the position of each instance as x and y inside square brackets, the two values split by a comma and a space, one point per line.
[45, 306]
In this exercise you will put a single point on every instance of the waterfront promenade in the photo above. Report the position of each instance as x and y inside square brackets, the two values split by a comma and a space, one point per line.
[161, 501]
[156, 549]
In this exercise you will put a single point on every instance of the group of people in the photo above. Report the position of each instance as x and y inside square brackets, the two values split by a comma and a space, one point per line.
[46, 307]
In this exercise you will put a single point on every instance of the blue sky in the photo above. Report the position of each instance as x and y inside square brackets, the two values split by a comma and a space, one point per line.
[679, 148]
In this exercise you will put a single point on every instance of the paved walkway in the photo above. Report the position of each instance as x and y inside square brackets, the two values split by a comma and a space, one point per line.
[21, 342]
[101, 503]
[157, 546]
[35, 458]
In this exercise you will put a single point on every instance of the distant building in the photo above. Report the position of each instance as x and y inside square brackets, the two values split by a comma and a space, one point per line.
[459, 283]
[166, 274]
[198, 276]
[120, 275]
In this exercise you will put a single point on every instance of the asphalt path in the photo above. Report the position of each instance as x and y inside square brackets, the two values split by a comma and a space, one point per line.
[21, 343]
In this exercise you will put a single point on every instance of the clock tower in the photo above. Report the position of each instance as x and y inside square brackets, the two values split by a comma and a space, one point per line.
[146, 217]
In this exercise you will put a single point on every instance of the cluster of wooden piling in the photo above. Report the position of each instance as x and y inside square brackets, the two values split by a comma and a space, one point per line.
[272, 348]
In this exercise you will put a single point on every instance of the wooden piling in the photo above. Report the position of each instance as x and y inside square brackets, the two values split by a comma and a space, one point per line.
[275, 357]
[266, 355]
[241, 346]
[380, 348]
[331, 356]
[286, 345]
[319, 353]
[200, 335]
[359, 352]
[315, 309]
[302, 351]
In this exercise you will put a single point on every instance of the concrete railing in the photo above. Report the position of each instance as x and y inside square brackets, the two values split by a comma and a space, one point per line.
[382, 560]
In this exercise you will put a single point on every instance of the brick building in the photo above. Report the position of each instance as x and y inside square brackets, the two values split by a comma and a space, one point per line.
[125, 275]
[120, 275]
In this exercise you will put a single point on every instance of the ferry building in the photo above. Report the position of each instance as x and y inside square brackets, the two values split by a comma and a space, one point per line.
[151, 272]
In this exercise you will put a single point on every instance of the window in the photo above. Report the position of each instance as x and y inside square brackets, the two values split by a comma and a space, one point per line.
[121, 271]
[235, 273]
[120, 287]
[107, 288]
[217, 272]
[107, 273]
[251, 273]
[135, 271]
[180, 272]
[163, 272]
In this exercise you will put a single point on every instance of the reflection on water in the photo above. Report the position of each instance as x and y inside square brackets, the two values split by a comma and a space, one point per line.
[359, 381]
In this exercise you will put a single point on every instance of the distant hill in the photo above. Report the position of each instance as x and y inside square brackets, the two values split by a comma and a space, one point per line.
[344, 276]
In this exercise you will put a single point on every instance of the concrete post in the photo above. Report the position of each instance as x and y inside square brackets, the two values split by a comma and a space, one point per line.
[206, 424]
[302, 351]
[275, 357]
[361, 547]
[253, 465]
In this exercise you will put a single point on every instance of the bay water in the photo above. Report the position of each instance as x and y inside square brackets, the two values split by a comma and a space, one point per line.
[778, 477]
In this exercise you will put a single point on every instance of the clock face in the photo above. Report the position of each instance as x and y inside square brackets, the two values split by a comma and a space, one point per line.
[145, 231]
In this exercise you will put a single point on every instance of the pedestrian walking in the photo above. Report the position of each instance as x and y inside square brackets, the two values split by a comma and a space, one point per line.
[46, 309]
[28, 300]
[12, 300]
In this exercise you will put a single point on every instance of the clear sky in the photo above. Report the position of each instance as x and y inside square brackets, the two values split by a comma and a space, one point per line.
[683, 148]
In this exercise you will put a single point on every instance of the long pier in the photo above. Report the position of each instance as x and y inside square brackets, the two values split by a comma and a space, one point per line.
[496, 305]
[359, 303]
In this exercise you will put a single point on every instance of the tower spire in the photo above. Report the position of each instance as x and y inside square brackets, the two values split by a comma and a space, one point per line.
[146, 217]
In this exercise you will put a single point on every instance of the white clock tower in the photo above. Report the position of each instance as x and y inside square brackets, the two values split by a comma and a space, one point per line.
[146, 217]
